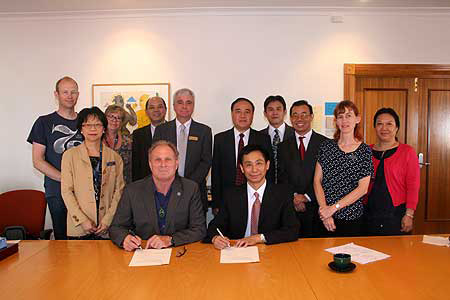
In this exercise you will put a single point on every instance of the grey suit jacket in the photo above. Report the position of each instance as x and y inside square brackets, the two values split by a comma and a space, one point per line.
[198, 152]
[136, 211]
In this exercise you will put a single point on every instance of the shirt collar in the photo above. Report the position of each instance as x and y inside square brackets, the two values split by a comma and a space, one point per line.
[237, 133]
[187, 124]
[251, 191]
[307, 135]
[281, 129]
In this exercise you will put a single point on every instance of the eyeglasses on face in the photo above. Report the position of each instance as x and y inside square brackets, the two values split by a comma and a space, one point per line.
[114, 118]
[300, 115]
[93, 126]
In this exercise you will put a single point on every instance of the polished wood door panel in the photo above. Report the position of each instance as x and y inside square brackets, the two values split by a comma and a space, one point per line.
[375, 99]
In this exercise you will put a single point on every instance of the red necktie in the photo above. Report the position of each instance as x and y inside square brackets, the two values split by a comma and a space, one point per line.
[255, 215]
[240, 179]
[301, 149]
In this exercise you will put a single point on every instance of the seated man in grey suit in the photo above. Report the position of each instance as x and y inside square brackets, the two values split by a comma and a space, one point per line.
[164, 208]
[257, 212]
[192, 139]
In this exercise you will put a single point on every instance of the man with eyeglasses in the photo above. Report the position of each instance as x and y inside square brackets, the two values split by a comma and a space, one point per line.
[297, 157]
[164, 208]
[50, 136]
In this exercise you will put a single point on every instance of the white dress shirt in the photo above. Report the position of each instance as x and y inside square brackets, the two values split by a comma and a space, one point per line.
[250, 200]
[187, 125]
[281, 131]
[237, 138]
[305, 143]
[152, 129]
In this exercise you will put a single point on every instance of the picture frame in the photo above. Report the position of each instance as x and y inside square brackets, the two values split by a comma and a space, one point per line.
[131, 96]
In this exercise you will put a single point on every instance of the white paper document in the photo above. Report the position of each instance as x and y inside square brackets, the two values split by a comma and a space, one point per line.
[436, 240]
[234, 255]
[359, 254]
[150, 257]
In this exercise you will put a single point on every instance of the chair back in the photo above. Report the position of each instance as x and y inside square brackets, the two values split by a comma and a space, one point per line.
[23, 208]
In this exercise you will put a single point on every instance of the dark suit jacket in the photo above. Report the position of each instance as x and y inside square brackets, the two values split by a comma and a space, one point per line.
[223, 173]
[277, 220]
[142, 140]
[295, 172]
[289, 132]
[185, 220]
[198, 152]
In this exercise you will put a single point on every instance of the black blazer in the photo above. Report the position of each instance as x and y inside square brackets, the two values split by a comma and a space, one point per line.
[136, 211]
[198, 152]
[142, 140]
[277, 220]
[223, 173]
[289, 132]
[295, 172]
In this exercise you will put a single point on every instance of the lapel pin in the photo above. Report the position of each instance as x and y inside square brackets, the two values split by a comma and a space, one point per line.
[178, 194]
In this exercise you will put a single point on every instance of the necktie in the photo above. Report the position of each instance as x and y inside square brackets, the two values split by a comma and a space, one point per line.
[181, 143]
[301, 149]
[276, 141]
[239, 175]
[255, 215]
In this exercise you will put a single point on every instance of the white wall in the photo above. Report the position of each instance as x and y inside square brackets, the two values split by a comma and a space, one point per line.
[219, 57]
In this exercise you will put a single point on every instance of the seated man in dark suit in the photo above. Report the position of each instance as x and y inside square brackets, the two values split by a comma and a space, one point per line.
[164, 208]
[156, 109]
[225, 172]
[297, 157]
[193, 141]
[257, 212]
[278, 130]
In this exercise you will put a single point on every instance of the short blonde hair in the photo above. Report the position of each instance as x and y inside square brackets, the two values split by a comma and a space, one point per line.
[114, 109]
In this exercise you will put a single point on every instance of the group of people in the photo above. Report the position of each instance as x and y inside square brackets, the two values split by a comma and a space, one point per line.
[268, 186]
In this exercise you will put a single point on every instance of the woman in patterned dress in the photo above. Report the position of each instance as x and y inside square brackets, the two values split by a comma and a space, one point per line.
[116, 139]
[342, 176]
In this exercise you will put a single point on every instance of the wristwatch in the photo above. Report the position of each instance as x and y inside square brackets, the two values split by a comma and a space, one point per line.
[263, 238]
[337, 206]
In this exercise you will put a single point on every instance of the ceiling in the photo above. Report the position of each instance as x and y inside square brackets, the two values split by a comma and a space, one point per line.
[42, 6]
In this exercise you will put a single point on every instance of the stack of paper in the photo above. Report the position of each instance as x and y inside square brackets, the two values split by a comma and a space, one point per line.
[151, 257]
[234, 255]
[436, 240]
[359, 254]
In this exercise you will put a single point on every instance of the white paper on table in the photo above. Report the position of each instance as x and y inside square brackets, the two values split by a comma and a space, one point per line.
[13, 241]
[234, 255]
[359, 254]
[150, 257]
[436, 240]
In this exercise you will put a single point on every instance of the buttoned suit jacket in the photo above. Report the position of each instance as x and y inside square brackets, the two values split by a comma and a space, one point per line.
[223, 173]
[198, 152]
[277, 220]
[185, 220]
[142, 141]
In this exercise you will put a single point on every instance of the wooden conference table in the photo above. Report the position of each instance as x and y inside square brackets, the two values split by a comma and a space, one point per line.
[298, 270]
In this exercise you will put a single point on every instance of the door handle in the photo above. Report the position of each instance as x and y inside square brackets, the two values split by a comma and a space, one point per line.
[421, 163]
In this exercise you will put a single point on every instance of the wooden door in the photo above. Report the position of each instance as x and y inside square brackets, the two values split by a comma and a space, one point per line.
[420, 94]
[434, 133]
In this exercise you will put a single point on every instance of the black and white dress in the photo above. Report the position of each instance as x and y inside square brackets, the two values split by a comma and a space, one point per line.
[341, 174]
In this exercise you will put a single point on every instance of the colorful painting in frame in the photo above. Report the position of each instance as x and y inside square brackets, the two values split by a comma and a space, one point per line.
[132, 97]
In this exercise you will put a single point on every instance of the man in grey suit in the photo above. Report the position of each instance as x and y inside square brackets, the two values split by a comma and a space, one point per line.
[163, 208]
[275, 112]
[192, 139]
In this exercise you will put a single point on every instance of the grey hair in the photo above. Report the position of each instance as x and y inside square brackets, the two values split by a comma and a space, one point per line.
[163, 143]
[181, 92]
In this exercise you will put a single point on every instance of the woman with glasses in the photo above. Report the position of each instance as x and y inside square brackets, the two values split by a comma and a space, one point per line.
[91, 180]
[119, 139]
[343, 171]
[394, 190]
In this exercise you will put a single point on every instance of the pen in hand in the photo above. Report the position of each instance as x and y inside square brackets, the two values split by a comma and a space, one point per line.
[218, 230]
[134, 234]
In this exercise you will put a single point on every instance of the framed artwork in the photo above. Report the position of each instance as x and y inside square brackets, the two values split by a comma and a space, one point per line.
[132, 97]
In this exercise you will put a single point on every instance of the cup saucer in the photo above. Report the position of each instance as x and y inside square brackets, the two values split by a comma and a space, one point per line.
[350, 267]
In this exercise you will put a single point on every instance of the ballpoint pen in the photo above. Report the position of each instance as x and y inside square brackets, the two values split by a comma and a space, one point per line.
[218, 230]
[134, 234]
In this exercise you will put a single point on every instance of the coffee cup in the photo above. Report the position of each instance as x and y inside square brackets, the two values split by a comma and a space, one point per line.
[342, 260]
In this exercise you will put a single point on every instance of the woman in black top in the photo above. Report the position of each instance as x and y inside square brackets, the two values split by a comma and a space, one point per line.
[342, 175]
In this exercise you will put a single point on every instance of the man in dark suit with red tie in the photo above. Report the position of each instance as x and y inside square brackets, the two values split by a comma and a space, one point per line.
[297, 159]
[275, 112]
[256, 212]
[225, 172]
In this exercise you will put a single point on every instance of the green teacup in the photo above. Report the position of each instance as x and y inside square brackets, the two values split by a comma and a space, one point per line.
[342, 260]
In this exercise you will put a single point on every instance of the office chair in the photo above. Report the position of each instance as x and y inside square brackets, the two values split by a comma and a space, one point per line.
[22, 215]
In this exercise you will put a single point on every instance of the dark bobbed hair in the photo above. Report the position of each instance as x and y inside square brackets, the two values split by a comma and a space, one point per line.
[163, 101]
[339, 109]
[276, 98]
[242, 99]
[389, 111]
[300, 103]
[93, 111]
[250, 148]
